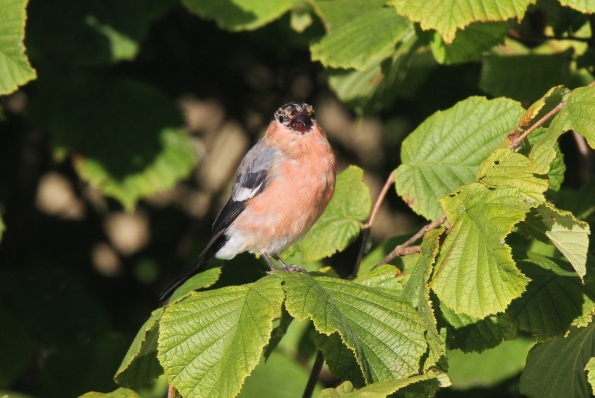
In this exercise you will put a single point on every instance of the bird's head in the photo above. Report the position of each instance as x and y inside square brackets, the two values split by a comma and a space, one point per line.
[297, 117]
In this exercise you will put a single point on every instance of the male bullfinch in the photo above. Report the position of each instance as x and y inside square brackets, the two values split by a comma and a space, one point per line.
[282, 186]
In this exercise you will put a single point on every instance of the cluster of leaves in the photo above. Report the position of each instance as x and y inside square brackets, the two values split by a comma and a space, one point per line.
[513, 259]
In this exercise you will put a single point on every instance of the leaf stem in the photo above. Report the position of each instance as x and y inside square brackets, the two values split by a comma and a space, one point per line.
[367, 229]
[314, 375]
[405, 248]
[537, 124]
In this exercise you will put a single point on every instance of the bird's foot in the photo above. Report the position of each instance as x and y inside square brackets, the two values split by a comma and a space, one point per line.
[293, 268]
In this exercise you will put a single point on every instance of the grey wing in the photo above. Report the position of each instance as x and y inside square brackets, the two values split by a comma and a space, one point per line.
[251, 180]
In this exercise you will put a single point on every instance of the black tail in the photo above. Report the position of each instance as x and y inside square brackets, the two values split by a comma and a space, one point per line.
[203, 260]
[184, 276]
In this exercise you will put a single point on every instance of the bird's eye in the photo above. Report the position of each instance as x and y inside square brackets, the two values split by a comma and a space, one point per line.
[282, 119]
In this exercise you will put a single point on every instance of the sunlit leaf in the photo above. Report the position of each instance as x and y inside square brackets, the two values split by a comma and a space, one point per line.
[590, 368]
[445, 151]
[15, 69]
[346, 47]
[385, 333]
[380, 389]
[119, 393]
[475, 273]
[448, 16]
[202, 340]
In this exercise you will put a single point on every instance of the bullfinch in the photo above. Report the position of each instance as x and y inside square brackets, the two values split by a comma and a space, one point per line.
[282, 186]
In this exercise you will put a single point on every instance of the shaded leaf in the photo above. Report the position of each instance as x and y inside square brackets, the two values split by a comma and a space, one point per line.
[340, 223]
[336, 13]
[140, 365]
[448, 16]
[340, 359]
[581, 113]
[470, 43]
[96, 32]
[555, 298]
[417, 292]
[386, 334]
[489, 368]
[445, 151]
[346, 47]
[278, 332]
[279, 377]
[239, 14]
[476, 335]
[15, 69]
[527, 76]
[475, 273]
[202, 342]
[556, 368]
[122, 133]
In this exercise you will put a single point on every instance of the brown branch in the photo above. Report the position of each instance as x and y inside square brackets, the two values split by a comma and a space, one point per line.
[537, 124]
[404, 249]
[366, 230]
[314, 375]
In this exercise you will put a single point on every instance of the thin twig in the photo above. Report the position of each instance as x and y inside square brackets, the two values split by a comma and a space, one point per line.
[537, 124]
[586, 154]
[314, 375]
[405, 248]
[365, 235]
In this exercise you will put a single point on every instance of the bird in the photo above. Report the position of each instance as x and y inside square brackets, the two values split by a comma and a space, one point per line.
[282, 186]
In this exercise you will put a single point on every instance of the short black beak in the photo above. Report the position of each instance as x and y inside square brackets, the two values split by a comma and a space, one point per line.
[301, 123]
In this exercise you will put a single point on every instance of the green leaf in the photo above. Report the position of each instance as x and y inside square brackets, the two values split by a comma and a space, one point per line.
[119, 393]
[123, 137]
[279, 377]
[140, 365]
[556, 368]
[446, 16]
[96, 32]
[380, 389]
[557, 166]
[417, 292]
[581, 113]
[386, 334]
[507, 169]
[15, 69]
[581, 209]
[568, 234]
[239, 14]
[470, 334]
[201, 280]
[445, 151]
[590, 374]
[469, 44]
[555, 298]
[386, 277]
[346, 47]
[340, 359]
[202, 341]
[405, 264]
[475, 273]
[489, 368]
[527, 76]
[336, 13]
[377, 87]
[340, 223]
[585, 6]
[278, 332]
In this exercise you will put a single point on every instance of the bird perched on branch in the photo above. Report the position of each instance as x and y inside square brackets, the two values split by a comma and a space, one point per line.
[282, 186]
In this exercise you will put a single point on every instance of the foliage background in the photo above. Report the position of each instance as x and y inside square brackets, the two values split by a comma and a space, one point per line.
[100, 197]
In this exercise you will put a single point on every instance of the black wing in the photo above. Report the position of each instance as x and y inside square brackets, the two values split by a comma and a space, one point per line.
[251, 180]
